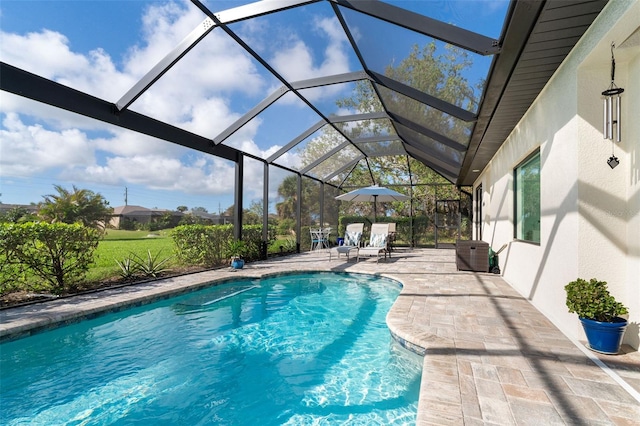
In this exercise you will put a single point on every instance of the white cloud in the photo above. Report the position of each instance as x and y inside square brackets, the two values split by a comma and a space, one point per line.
[51, 117]
[336, 57]
[128, 143]
[296, 62]
[49, 47]
[291, 160]
[47, 54]
[195, 94]
[28, 150]
[196, 176]
[215, 68]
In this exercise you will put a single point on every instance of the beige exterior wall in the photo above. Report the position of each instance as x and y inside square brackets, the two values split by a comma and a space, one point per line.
[590, 214]
[632, 210]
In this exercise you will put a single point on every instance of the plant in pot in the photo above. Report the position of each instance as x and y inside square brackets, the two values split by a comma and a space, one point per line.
[235, 250]
[599, 313]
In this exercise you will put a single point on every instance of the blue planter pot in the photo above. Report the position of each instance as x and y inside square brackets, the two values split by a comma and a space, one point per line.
[237, 263]
[604, 337]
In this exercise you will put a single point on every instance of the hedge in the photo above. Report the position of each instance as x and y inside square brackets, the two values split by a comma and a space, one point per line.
[206, 245]
[58, 253]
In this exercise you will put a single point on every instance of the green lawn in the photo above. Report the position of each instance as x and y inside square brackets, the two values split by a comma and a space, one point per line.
[118, 245]
[118, 234]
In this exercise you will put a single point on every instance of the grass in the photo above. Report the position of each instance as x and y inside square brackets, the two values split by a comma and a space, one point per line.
[281, 240]
[122, 235]
[118, 245]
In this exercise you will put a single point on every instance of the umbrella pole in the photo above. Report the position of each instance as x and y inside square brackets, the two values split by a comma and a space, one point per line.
[375, 201]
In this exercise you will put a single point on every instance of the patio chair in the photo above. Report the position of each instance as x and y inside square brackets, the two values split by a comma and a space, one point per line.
[352, 236]
[326, 237]
[392, 236]
[318, 239]
[377, 242]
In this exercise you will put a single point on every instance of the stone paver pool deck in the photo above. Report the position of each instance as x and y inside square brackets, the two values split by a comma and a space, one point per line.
[490, 356]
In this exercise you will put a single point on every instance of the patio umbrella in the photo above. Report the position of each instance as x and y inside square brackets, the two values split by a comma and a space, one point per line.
[373, 193]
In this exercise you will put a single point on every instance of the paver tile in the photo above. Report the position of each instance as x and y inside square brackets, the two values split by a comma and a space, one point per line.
[577, 409]
[511, 376]
[496, 411]
[599, 390]
[489, 389]
[529, 413]
[523, 392]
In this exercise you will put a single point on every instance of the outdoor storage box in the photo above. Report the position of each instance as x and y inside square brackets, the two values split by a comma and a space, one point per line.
[472, 255]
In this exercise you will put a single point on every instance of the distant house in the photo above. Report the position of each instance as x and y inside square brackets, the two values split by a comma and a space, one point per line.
[31, 208]
[126, 216]
[212, 219]
[130, 217]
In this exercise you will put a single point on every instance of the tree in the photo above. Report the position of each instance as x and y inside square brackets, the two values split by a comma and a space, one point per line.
[439, 72]
[182, 209]
[197, 210]
[288, 190]
[77, 206]
[287, 208]
[17, 214]
[253, 215]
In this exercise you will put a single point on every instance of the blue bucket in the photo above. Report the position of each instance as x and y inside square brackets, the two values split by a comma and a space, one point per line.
[237, 263]
[604, 337]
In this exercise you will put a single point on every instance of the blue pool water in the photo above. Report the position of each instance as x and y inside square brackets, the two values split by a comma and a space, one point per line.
[296, 349]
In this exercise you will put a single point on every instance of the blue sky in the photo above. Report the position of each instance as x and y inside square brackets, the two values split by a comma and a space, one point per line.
[103, 47]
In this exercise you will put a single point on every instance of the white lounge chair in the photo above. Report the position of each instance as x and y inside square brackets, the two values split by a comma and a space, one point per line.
[377, 242]
[352, 237]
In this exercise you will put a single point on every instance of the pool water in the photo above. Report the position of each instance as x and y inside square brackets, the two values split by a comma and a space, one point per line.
[295, 349]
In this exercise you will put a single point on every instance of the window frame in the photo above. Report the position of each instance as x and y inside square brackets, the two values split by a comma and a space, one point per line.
[528, 160]
[478, 211]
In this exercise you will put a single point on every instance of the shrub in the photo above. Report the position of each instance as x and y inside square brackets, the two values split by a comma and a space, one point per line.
[207, 245]
[201, 245]
[286, 226]
[252, 237]
[289, 245]
[58, 253]
[128, 224]
[305, 238]
[591, 300]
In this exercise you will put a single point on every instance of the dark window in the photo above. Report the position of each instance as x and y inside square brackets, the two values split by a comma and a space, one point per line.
[478, 212]
[527, 203]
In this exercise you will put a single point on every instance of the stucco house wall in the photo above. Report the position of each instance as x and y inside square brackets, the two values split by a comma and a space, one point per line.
[590, 224]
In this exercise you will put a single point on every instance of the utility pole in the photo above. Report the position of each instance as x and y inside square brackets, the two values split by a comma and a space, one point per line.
[125, 195]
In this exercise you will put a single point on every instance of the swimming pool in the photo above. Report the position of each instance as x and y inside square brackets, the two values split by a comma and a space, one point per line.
[294, 349]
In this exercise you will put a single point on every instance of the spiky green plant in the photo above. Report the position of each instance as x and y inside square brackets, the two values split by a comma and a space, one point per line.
[128, 269]
[152, 265]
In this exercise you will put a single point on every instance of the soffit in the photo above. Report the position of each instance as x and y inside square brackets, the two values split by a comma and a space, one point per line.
[522, 70]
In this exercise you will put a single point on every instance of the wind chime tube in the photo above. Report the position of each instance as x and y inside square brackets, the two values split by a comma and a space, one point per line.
[605, 127]
[609, 117]
[618, 115]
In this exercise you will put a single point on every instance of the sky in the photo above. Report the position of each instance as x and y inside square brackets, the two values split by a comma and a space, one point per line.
[103, 47]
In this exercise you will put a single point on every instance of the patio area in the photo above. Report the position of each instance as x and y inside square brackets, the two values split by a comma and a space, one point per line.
[490, 356]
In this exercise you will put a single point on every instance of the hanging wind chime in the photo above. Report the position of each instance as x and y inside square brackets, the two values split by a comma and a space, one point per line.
[612, 115]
